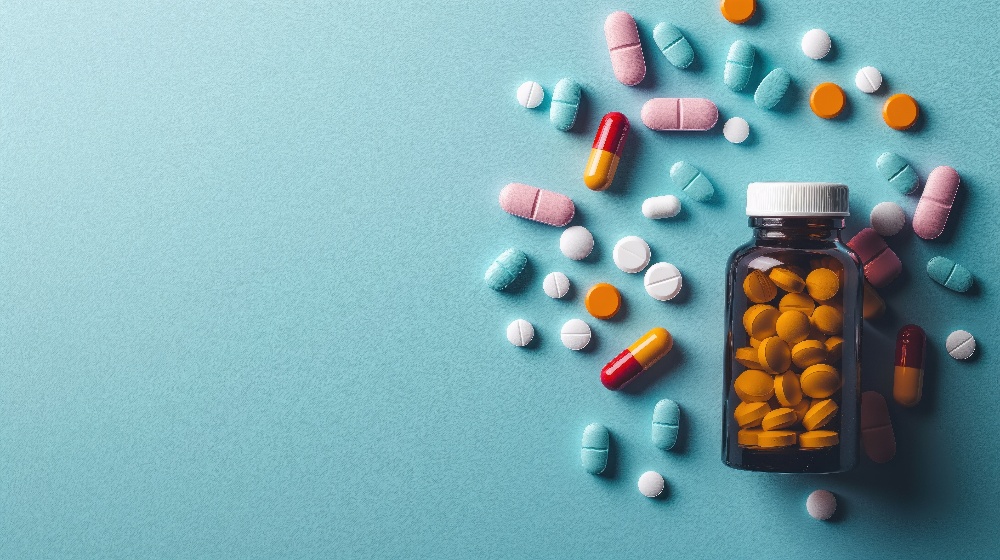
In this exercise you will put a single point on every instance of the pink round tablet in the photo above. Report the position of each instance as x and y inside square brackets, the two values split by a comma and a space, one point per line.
[881, 264]
[935, 203]
[537, 204]
[626, 51]
[877, 436]
[672, 113]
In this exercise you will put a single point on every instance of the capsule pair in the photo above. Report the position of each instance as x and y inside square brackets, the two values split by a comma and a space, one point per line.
[637, 358]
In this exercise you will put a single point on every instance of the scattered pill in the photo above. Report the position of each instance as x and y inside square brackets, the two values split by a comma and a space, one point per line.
[631, 254]
[827, 100]
[556, 285]
[868, 79]
[666, 423]
[530, 95]
[908, 374]
[821, 504]
[739, 65]
[816, 44]
[808, 353]
[659, 207]
[606, 151]
[603, 301]
[575, 334]
[881, 265]
[772, 88]
[736, 130]
[797, 302]
[873, 306]
[898, 172]
[774, 355]
[576, 242]
[754, 386]
[961, 345]
[950, 274]
[900, 111]
[594, 448]
[793, 327]
[888, 218]
[682, 114]
[663, 281]
[565, 103]
[760, 321]
[738, 11]
[819, 381]
[637, 358]
[692, 181]
[750, 414]
[787, 279]
[540, 205]
[673, 45]
[935, 202]
[520, 332]
[822, 284]
[626, 52]
[818, 439]
[505, 269]
[877, 436]
[759, 288]
[787, 389]
[651, 484]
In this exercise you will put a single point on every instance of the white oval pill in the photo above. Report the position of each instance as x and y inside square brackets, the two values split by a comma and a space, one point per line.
[888, 218]
[736, 130]
[651, 484]
[530, 95]
[764, 263]
[961, 345]
[575, 334]
[631, 254]
[868, 79]
[556, 285]
[816, 44]
[821, 504]
[663, 281]
[660, 207]
[520, 332]
[576, 242]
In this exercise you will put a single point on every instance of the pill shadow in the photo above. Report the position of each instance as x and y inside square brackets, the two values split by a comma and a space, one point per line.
[834, 53]
[757, 18]
[669, 363]
[682, 296]
[919, 125]
[623, 312]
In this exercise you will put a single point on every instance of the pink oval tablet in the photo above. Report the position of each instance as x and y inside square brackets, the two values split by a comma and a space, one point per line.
[626, 51]
[881, 264]
[935, 203]
[673, 113]
[537, 204]
[877, 436]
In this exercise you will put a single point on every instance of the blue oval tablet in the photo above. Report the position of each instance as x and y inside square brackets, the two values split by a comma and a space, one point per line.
[505, 269]
[692, 181]
[673, 45]
[772, 88]
[594, 448]
[949, 274]
[666, 423]
[898, 172]
[565, 104]
[739, 65]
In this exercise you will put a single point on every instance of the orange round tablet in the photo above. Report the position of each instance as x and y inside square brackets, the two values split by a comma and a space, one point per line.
[738, 11]
[603, 301]
[900, 111]
[827, 100]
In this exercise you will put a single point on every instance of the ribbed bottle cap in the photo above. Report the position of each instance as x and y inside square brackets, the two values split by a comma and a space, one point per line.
[789, 200]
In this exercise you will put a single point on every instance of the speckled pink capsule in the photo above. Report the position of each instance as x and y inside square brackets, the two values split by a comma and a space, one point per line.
[672, 113]
[935, 203]
[540, 205]
[881, 264]
[626, 51]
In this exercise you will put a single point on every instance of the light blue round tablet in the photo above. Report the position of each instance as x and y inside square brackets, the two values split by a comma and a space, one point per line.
[692, 181]
[673, 45]
[739, 65]
[949, 274]
[772, 88]
[898, 172]
[565, 104]
[505, 269]
[594, 448]
[666, 423]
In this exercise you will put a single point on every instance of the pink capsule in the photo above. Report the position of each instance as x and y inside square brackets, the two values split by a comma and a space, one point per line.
[935, 203]
[626, 51]
[537, 204]
[672, 113]
[881, 264]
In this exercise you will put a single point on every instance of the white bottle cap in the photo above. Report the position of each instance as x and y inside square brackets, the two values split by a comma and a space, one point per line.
[789, 200]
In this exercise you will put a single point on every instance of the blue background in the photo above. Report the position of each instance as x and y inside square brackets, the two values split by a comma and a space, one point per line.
[243, 310]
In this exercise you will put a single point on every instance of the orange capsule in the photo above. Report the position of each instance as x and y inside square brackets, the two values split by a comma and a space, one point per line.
[606, 152]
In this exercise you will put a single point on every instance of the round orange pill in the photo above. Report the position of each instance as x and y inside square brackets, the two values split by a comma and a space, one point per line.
[738, 11]
[900, 111]
[603, 301]
[827, 100]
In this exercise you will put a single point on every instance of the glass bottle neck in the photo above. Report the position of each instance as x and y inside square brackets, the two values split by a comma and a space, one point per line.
[814, 229]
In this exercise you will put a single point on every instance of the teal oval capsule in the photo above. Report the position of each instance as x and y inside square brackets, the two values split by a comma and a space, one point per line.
[594, 448]
[666, 423]
[898, 172]
[772, 88]
[673, 45]
[949, 274]
[692, 181]
[565, 104]
[505, 269]
[739, 65]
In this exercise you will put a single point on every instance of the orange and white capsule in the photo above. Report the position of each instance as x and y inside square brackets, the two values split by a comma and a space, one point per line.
[637, 358]
[908, 376]
[607, 151]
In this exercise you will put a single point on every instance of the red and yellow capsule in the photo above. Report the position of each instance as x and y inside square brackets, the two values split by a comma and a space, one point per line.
[606, 153]
[637, 358]
[908, 375]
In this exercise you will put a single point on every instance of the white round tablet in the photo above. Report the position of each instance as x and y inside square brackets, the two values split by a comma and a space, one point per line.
[575, 334]
[651, 484]
[520, 332]
[658, 207]
[631, 254]
[556, 285]
[576, 242]
[663, 281]
[888, 218]
[821, 504]
[816, 44]
[736, 130]
[868, 79]
[530, 95]
[961, 345]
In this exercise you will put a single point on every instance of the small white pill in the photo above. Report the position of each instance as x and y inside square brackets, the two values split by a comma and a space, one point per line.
[868, 79]
[663, 281]
[764, 263]
[660, 207]
[651, 484]
[816, 44]
[556, 285]
[631, 254]
[736, 130]
[576, 242]
[888, 218]
[821, 504]
[520, 332]
[575, 334]
[961, 345]
[530, 95]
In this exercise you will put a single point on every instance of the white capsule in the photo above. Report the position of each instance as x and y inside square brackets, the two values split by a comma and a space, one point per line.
[575, 334]
[576, 242]
[663, 281]
[868, 79]
[660, 207]
[888, 218]
[816, 44]
[651, 484]
[530, 95]
[520, 332]
[556, 285]
[961, 345]
[631, 254]
[736, 130]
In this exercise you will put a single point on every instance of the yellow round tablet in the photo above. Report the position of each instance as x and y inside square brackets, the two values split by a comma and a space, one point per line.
[834, 347]
[759, 321]
[822, 284]
[754, 386]
[776, 438]
[827, 319]
[774, 355]
[820, 381]
[792, 326]
[778, 418]
[820, 414]
[801, 409]
[759, 288]
[747, 437]
[817, 439]
[750, 414]
[787, 280]
[787, 389]
[808, 352]
[797, 302]
[747, 357]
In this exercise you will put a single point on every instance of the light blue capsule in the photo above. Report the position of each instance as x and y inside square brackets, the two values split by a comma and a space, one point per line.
[949, 274]
[594, 448]
[739, 65]
[692, 181]
[898, 172]
[673, 45]
[772, 88]
[505, 269]
[565, 103]
[666, 423]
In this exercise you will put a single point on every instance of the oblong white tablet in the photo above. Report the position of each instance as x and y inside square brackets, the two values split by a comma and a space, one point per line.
[651, 484]
[520, 332]
[556, 285]
[530, 95]
[575, 334]
[663, 281]
[816, 44]
[736, 130]
[868, 79]
[576, 242]
[631, 254]
[659, 207]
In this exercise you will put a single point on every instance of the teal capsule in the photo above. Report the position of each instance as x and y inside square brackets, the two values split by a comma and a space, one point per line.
[666, 422]
[673, 45]
[692, 181]
[565, 103]
[505, 269]
[898, 172]
[739, 65]
[772, 88]
[594, 448]
[949, 274]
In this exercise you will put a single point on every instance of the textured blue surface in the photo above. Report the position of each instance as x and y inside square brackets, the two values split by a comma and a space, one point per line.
[243, 302]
